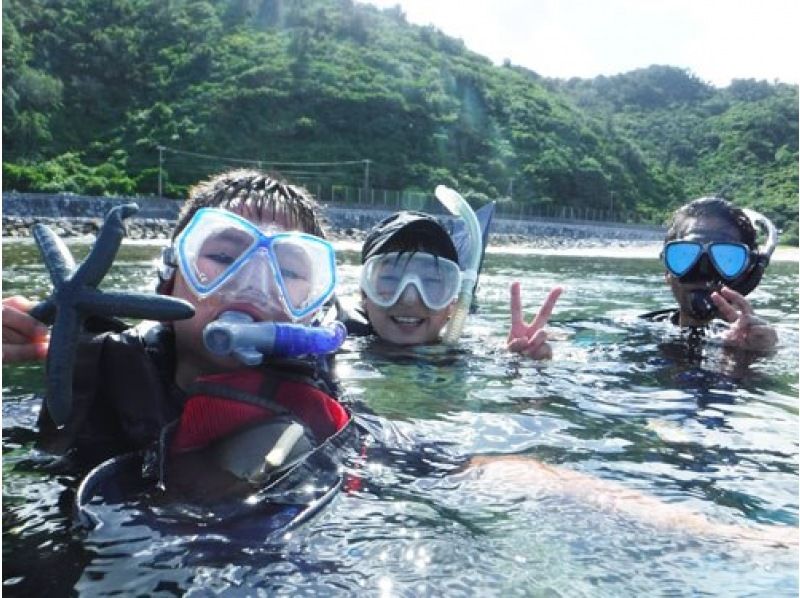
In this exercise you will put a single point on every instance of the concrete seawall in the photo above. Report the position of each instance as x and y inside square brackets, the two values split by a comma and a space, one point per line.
[73, 215]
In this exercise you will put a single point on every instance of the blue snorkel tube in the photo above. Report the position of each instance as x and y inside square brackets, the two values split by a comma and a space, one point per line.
[458, 206]
[235, 333]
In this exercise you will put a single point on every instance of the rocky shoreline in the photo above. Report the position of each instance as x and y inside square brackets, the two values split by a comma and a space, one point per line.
[77, 216]
[19, 227]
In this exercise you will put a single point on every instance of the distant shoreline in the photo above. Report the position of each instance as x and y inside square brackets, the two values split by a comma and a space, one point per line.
[350, 239]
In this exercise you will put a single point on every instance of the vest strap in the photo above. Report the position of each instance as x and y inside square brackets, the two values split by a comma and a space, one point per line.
[226, 392]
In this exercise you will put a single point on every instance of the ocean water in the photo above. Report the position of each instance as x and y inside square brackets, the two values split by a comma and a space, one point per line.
[609, 446]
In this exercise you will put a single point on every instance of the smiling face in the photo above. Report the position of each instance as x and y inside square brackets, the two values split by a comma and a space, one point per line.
[409, 321]
[702, 229]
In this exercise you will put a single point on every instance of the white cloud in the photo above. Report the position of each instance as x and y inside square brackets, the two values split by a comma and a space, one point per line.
[716, 39]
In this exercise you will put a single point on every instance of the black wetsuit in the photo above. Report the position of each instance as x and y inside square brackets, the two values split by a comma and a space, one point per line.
[126, 406]
[123, 395]
[355, 320]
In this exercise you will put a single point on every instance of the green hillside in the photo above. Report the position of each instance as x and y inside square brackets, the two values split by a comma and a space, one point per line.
[740, 141]
[91, 88]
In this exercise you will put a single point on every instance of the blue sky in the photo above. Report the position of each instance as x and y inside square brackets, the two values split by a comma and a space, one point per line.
[716, 40]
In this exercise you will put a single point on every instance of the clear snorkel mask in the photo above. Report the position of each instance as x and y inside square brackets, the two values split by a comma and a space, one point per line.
[716, 263]
[224, 255]
[386, 276]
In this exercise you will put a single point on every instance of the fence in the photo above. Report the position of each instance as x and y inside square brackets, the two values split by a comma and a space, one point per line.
[392, 200]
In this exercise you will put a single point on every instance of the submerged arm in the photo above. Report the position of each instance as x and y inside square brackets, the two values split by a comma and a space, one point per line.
[523, 472]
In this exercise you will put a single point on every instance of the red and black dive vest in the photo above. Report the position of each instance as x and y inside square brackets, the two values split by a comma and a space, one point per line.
[246, 430]
[147, 435]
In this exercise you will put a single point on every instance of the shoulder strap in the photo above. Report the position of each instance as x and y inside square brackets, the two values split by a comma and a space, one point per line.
[308, 372]
[226, 392]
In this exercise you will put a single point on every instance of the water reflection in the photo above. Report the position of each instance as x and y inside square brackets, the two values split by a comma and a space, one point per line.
[623, 399]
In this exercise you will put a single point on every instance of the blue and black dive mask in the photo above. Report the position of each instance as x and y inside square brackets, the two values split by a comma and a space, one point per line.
[692, 261]
[734, 264]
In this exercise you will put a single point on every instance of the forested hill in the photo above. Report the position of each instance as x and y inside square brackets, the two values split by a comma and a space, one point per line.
[740, 141]
[91, 88]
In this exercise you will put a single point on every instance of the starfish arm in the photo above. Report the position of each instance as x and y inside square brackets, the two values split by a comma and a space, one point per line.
[56, 255]
[61, 363]
[105, 247]
[134, 305]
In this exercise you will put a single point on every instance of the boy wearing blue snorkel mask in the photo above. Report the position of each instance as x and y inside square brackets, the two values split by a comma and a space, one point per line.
[712, 262]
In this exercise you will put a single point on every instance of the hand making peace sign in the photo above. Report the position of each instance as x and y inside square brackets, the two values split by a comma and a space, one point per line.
[531, 339]
[747, 330]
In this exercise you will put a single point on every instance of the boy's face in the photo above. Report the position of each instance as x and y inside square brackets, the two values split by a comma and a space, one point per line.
[409, 321]
[193, 358]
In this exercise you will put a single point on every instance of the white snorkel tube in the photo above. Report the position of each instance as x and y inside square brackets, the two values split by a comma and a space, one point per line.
[761, 254]
[772, 233]
[458, 206]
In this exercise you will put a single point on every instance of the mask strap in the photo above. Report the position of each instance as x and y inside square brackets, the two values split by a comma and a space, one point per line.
[166, 271]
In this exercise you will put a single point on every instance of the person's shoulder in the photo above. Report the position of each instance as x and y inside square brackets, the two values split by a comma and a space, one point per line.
[353, 317]
[145, 341]
[145, 333]
[661, 315]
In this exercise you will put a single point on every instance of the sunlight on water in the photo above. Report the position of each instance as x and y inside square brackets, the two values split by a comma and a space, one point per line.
[622, 400]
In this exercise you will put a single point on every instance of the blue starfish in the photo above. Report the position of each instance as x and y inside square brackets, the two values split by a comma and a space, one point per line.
[75, 297]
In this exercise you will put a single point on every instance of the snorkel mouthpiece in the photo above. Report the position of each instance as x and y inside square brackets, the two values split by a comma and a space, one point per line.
[235, 333]
[701, 306]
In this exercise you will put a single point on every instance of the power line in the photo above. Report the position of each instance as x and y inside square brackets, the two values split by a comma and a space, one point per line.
[261, 162]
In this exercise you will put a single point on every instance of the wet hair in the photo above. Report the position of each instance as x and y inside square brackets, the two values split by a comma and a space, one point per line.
[712, 207]
[263, 196]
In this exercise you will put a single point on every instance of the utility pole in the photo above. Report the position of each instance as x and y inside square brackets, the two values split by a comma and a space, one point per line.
[510, 188]
[161, 149]
[366, 178]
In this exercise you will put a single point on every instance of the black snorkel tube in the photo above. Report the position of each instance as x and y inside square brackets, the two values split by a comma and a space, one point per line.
[700, 305]
[75, 298]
